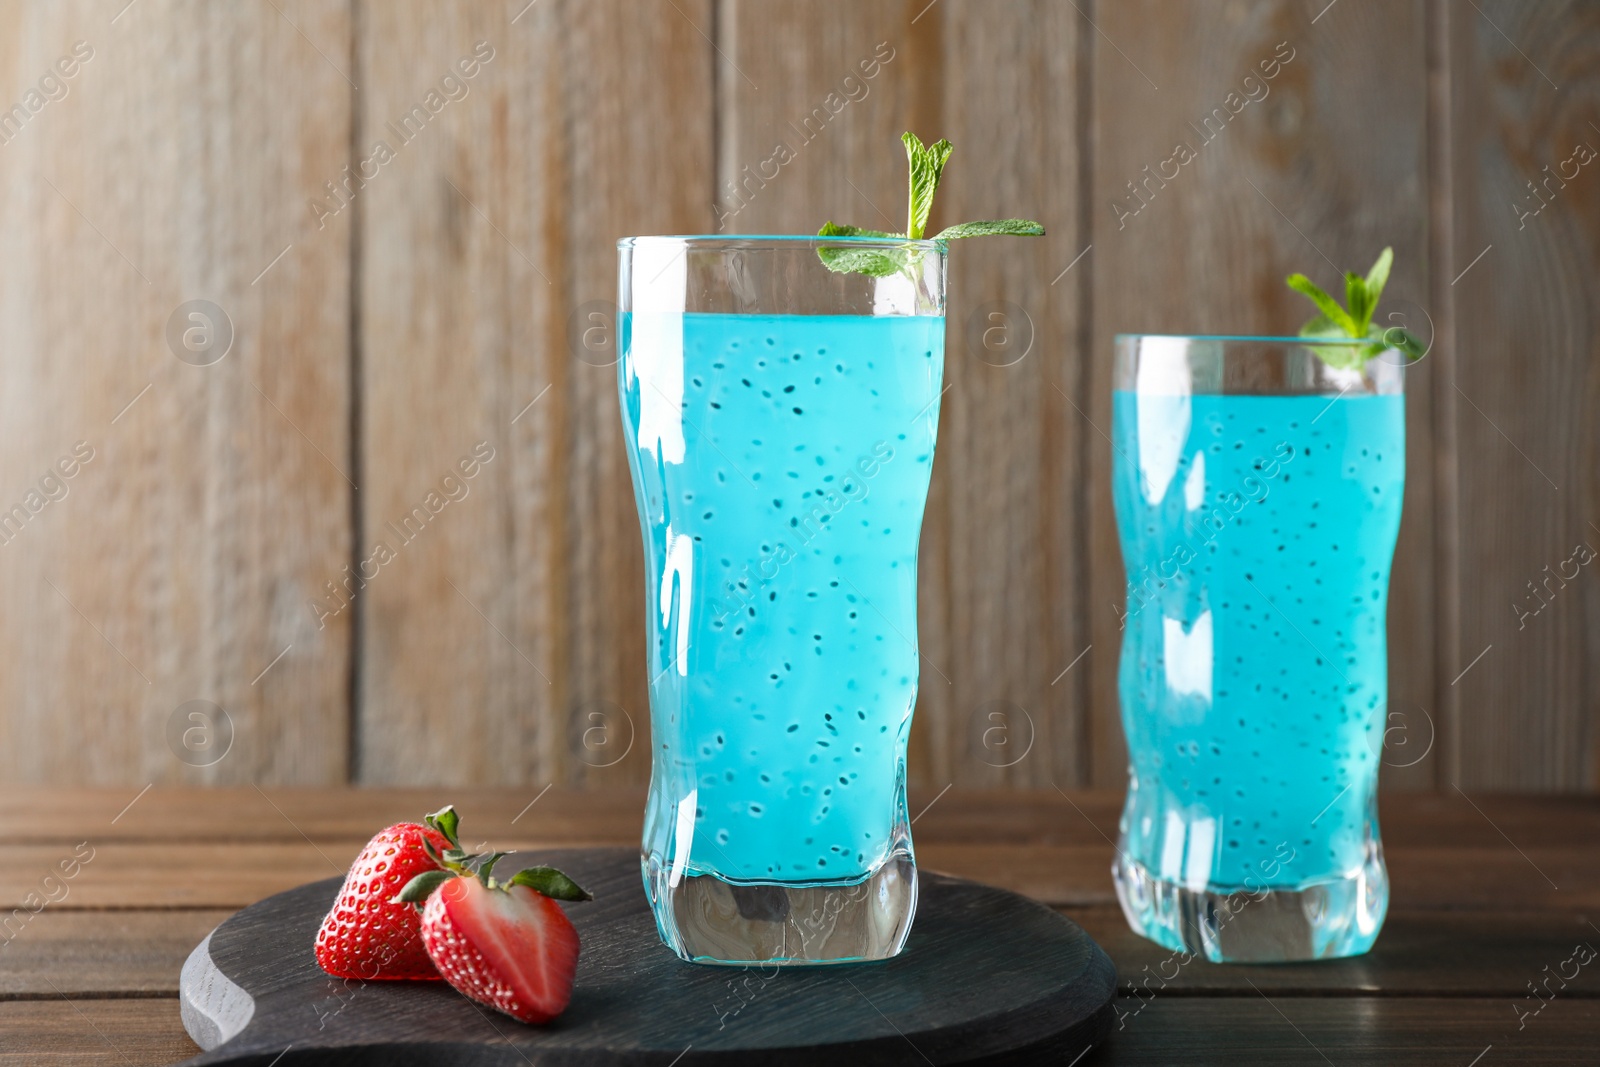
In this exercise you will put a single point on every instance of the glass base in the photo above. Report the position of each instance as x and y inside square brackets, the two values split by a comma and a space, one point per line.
[1325, 920]
[706, 919]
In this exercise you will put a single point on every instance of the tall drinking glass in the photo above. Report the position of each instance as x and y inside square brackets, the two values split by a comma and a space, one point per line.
[1257, 491]
[781, 419]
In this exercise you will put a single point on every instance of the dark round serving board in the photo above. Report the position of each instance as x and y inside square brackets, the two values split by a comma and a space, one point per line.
[987, 977]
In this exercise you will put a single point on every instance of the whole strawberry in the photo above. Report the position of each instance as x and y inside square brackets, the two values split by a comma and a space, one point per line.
[508, 945]
[366, 935]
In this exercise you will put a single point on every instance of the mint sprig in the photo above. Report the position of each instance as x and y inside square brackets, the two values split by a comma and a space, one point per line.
[926, 169]
[991, 228]
[1332, 321]
[876, 262]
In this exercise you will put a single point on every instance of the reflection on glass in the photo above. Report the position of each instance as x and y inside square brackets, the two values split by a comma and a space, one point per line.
[1258, 496]
[781, 454]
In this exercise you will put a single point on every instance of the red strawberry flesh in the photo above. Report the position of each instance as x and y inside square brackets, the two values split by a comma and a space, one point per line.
[513, 949]
[364, 935]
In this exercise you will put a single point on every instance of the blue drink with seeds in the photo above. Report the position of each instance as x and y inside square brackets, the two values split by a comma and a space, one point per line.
[1257, 531]
[781, 465]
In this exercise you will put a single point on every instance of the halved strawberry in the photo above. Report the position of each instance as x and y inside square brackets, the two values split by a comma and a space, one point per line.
[365, 934]
[505, 944]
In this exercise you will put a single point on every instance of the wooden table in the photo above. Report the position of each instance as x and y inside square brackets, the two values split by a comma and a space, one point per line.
[1491, 897]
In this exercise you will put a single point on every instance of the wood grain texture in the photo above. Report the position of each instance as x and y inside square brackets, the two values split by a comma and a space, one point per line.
[635, 1003]
[1473, 922]
[102, 953]
[1455, 952]
[1064, 875]
[1327, 164]
[999, 815]
[1447, 953]
[1526, 391]
[500, 631]
[177, 560]
[235, 847]
[999, 559]
[232, 875]
[93, 1033]
[1402, 1031]
[389, 317]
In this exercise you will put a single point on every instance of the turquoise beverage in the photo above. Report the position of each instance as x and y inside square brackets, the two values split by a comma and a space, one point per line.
[1257, 530]
[781, 463]
[790, 529]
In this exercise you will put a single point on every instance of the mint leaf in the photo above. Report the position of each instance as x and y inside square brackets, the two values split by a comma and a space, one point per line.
[1322, 326]
[1329, 306]
[550, 882]
[991, 228]
[1361, 294]
[1378, 276]
[926, 168]
[873, 262]
[1339, 356]
[868, 261]
[833, 229]
[1360, 301]
[1403, 340]
[1344, 356]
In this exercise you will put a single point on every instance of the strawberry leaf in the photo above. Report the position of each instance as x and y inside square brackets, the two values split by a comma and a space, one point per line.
[551, 883]
[421, 887]
[445, 820]
[483, 866]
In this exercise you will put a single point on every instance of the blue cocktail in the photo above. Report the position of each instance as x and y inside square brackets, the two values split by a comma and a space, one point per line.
[1258, 496]
[781, 462]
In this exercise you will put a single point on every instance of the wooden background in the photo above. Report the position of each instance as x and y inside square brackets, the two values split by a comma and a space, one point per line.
[440, 306]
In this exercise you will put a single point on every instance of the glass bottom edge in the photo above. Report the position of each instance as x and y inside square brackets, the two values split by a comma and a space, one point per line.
[1330, 919]
[710, 920]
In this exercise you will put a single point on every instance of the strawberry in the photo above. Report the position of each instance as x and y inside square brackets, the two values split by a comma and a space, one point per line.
[504, 944]
[366, 935]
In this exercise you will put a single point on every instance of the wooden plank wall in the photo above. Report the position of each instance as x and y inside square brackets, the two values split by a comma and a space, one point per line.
[1332, 165]
[492, 640]
[239, 536]
[1525, 392]
[172, 166]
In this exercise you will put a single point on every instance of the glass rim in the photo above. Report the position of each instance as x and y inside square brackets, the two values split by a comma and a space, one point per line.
[1248, 338]
[780, 240]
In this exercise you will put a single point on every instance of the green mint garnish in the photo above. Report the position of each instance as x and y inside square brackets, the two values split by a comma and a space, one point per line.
[991, 228]
[877, 262]
[926, 165]
[926, 168]
[1333, 321]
